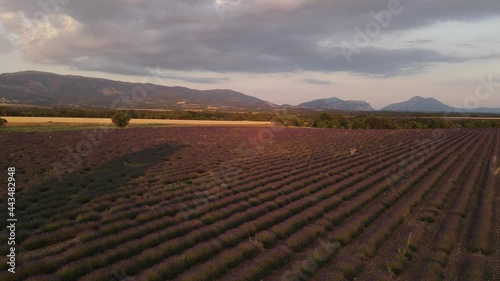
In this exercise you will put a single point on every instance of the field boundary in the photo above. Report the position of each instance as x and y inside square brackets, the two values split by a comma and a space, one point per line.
[20, 121]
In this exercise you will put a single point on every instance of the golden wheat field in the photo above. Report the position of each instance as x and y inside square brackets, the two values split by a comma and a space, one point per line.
[16, 121]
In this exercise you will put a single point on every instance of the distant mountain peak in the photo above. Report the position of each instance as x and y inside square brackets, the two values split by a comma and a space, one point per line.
[418, 98]
[418, 104]
[334, 103]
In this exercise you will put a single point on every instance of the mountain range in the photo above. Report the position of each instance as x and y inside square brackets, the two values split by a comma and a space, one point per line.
[420, 104]
[49, 89]
[337, 104]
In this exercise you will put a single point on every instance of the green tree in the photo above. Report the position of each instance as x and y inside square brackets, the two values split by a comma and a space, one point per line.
[339, 121]
[358, 122]
[439, 123]
[121, 119]
[375, 122]
[414, 125]
[327, 117]
[296, 121]
[320, 124]
[346, 124]
[324, 120]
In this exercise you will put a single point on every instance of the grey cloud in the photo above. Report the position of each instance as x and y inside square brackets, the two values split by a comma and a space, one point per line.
[385, 63]
[5, 45]
[126, 36]
[316, 81]
[104, 65]
[200, 80]
[420, 41]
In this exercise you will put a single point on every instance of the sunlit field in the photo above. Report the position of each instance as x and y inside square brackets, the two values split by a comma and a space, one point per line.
[20, 121]
[254, 203]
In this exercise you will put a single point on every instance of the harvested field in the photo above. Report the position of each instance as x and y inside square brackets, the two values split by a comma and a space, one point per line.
[255, 203]
[14, 120]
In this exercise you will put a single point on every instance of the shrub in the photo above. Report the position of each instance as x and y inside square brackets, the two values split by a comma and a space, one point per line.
[2, 122]
[304, 237]
[289, 120]
[46, 239]
[290, 225]
[374, 122]
[121, 119]
[89, 216]
[350, 266]
[475, 267]
[449, 233]
[320, 124]
[267, 238]
[234, 236]
[264, 264]
[432, 272]
[74, 270]
[482, 229]
[439, 257]
[200, 252]
[427, 217]
[218, 265]
[394, 267]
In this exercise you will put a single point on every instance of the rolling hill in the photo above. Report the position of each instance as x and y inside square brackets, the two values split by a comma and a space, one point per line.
[48, 89]
[337, 104]
[36, 88]
[419, 104]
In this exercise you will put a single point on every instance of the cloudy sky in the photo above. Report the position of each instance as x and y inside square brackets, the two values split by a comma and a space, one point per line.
[283, 51]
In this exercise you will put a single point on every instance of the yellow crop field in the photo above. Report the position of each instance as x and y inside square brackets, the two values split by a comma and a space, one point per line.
[17, 121]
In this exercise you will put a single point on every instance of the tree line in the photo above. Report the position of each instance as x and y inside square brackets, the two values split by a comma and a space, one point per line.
[290, 118]
[371, 121]
[138, 114]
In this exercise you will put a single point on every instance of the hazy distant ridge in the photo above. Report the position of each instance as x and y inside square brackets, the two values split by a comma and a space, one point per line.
[49, 89]
[337, 104]
[41, 88]
[420, 104]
